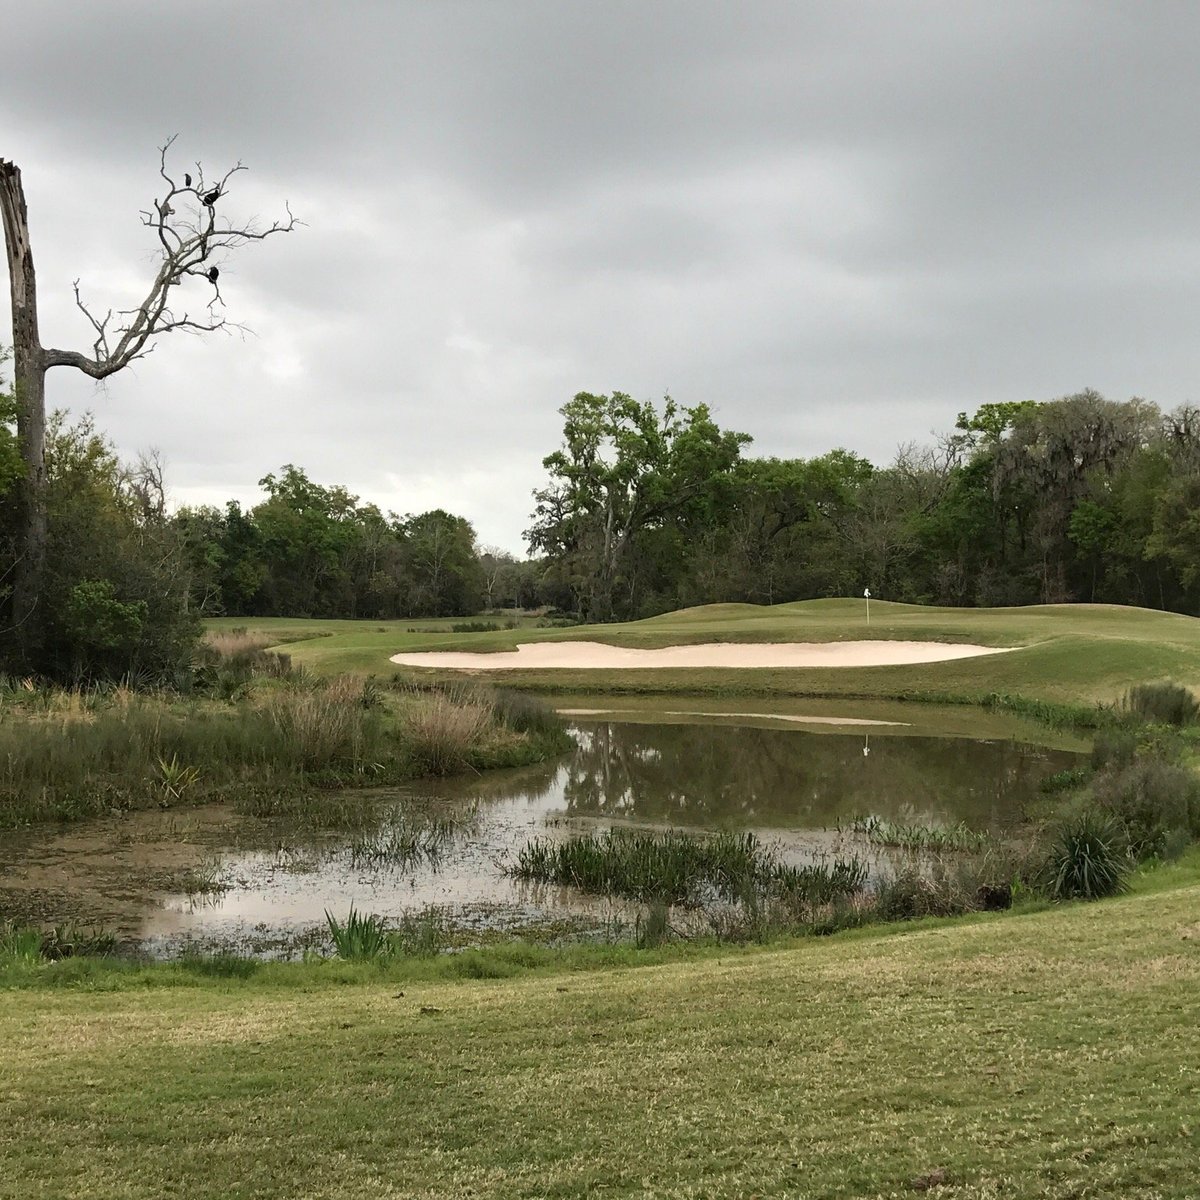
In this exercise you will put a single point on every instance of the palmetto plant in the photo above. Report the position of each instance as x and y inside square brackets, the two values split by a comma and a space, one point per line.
[174, 778]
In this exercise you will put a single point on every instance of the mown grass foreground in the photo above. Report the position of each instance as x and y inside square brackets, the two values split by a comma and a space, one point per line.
[1050, 1054]
[1069, 653]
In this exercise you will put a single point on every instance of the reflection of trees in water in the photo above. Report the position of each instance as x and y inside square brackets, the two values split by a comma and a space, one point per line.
[721, 774]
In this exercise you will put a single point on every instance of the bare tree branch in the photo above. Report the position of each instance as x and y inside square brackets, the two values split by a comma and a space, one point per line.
[193, 241]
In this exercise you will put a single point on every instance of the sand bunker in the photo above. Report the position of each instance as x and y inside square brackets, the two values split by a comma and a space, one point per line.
[576, 656]
[758, 716]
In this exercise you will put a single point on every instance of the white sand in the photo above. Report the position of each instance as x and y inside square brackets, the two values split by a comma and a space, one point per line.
[795, 719]
[598, 656]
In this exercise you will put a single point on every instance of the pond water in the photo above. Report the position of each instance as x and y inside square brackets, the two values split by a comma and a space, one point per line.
[796, 773]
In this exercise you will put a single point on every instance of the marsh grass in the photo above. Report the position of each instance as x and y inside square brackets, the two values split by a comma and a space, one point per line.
[445, 728]
[405, 837]
[204, 879]
[359, 936]
[682, 868]
[364, 937]
[920, 837]
[26, 946]
[69, 754]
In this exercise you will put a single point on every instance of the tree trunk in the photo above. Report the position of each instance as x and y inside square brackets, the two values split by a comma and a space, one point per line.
[29, 362]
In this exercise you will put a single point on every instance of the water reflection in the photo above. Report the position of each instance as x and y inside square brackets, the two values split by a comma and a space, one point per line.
[279, 874]
[723, 776]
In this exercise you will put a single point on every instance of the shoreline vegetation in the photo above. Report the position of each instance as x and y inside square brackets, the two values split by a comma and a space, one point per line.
[254, 731]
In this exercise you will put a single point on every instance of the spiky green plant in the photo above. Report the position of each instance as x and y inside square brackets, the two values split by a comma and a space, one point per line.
[360, 936]
[1085, 859]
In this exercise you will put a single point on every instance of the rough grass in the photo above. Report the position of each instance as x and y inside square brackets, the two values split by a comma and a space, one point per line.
[1049, 1055]
[71, 755]
[1070, 654]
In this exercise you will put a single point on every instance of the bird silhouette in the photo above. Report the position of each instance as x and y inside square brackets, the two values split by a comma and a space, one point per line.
[212, 275]
[187, 181]
[210, 198]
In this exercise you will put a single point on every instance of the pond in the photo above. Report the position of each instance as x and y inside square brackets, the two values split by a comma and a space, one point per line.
[796, 773]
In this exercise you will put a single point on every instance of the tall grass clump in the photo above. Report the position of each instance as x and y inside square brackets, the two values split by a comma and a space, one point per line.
[920, 837]
[360, 936]
[443, 730]
[227, 660]
[325, 726]
[1085, 860]
[681, 868]
[1162, 703]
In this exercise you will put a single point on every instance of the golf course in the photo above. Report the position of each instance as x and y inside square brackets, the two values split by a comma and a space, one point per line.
[1069, 653]
[1047, 1051]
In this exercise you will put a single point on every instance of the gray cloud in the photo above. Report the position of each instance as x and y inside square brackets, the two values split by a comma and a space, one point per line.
[835, 223]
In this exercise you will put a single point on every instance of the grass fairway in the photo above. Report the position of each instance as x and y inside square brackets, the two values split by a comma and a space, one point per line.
[1069, 652]
[1051, 1054]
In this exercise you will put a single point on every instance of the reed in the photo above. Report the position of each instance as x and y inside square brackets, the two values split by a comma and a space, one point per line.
[921, 837]
[681, 868]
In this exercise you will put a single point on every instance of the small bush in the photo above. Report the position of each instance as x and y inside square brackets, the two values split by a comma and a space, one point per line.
[475, 627]
[1162, 703]
[1114, 748]
[1085, 859]
[1154, 804]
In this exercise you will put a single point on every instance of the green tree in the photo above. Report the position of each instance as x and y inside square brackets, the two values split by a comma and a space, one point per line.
[625, 468]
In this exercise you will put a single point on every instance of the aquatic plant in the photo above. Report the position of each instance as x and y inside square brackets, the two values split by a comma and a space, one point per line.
[420, 934]
[175, 778]
[680, 868]
[203, 879]
[920, 837]
[360, 936]
[20, 945]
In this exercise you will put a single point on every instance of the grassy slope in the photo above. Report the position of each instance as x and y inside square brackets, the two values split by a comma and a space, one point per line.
[1068, 652]
[1046, 1055]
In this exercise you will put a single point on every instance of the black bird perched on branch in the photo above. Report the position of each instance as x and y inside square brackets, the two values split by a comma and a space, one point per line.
[210, 198]
[212, 274]
[187, 181]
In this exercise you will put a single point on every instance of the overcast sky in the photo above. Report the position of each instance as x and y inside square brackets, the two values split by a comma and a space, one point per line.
[834, 223]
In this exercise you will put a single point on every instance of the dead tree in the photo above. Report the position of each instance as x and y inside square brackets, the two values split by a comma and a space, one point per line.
[193, 235]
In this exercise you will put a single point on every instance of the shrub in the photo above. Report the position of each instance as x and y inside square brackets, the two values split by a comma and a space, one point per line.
[1085, 860]
[1153, 803]
[1162, 703]
[1114, 747]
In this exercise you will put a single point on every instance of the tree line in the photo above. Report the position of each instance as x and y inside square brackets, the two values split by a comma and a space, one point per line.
[646, 508]
[651, 508]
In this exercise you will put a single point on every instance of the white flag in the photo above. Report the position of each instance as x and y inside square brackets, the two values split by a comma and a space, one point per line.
[867, 593]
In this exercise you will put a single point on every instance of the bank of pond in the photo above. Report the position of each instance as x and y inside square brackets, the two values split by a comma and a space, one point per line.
[622, 821]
